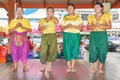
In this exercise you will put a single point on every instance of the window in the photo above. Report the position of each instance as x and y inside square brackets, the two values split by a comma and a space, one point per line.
[84, 17]
[115, 17]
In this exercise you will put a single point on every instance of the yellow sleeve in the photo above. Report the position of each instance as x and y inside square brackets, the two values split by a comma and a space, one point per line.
[27, 24]
[62, 23]
[41, 22]
[107, 17]
[80, 21]
[12, 24]
[89, 18]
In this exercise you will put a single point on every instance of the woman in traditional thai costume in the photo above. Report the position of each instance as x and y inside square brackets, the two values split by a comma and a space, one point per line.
[47, 26]
[98, 24]
[71, 26]
[20, 47]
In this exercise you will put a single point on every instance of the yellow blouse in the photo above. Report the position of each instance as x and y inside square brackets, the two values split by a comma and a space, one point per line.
[74, 20]
[50, 26]
[92, 20]
[25, 22]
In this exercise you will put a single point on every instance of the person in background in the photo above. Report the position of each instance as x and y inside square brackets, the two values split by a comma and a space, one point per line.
[60, 51]
[71, 26]
[30, 44]
[35, 50]
[19, 27]
[49, 40]
[98, 24]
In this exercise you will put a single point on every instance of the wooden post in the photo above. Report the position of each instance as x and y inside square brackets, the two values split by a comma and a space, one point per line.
[18, 3]
[10, 17]
[44, 3]
[68, 1]
[103, 1]
[10, 10]
[115, 3]
[3, 6]
[106, 1]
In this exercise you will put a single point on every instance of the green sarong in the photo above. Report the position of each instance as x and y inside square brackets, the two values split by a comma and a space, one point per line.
[71, 45]
[48, 48]
[98, 46]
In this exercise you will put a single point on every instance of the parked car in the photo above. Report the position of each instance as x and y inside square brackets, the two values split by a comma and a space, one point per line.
[112, 47]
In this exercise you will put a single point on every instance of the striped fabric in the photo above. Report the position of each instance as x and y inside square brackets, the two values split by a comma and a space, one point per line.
[19, 39]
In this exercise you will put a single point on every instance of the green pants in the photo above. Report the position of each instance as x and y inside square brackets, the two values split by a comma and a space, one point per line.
[48, 48]
[71, 44]
[98, 46]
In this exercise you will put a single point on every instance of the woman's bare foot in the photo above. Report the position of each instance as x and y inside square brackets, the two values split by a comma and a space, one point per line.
[25, 69]
[94, 71]
[73, 70]
[101, 71]
[15, 67]
[94, 67]
[100, 66]
[68, 70]
[49, 69]
[14, 70]
[69, 66]
[43, 68]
